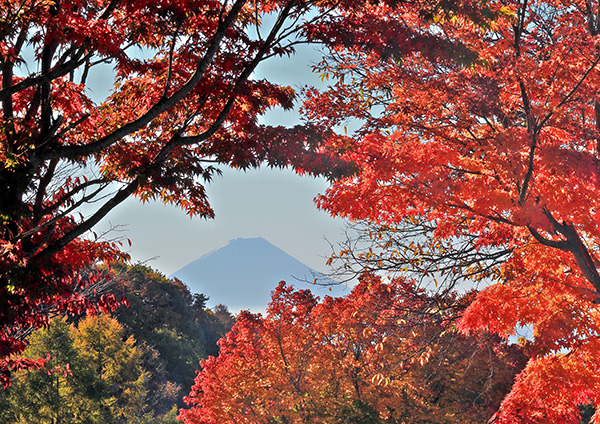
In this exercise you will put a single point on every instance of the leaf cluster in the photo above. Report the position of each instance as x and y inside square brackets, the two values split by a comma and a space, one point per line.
[493, 163]
[385, 353]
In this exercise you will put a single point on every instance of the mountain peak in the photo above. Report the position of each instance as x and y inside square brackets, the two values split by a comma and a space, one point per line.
[242, 273]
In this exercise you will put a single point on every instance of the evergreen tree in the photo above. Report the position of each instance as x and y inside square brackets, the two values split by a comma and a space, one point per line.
[176, 327]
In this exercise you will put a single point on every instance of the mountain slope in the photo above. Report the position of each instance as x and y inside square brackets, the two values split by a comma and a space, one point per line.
[243, 273]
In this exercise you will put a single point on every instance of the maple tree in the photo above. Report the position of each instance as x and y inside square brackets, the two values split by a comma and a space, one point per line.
[491, 152]
[183, 101]
[385, 353]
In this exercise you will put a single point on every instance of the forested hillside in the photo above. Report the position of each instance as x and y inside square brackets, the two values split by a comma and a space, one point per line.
[134, 365]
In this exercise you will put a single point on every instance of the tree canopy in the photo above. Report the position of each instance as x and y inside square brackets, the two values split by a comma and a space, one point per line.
[490, 152]
[94, 375]
[174, 328]
[385, 353]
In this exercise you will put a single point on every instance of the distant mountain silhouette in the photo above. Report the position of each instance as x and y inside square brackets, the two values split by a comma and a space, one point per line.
[242, 274]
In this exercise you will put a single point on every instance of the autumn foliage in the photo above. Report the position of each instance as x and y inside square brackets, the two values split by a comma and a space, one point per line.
[135, 366]
[490, 150]
[179, 99]
[93, 375]
[385, 353]
[475, 125]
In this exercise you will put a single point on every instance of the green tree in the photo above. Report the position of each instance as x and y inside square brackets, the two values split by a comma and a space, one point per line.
[175, 326]
[94, 375]
[109, 372]
[42, 396]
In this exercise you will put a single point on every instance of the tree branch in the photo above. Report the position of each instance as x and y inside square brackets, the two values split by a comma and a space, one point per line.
[532, 130]
[52, 74]
[572, 243]
[87, 225]
[267, 44]
[160, 107]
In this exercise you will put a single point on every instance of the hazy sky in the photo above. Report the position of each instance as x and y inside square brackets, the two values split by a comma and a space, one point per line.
[274, 204]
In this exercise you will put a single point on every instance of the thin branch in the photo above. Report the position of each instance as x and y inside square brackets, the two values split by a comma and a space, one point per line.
[243, 77]
[87, 225]
[64, 213]
[170, 69]
[56, 72]
[46, 88]
[160, 107]
[572, 92]
[45, 180]
[61, 201]
[532, 130]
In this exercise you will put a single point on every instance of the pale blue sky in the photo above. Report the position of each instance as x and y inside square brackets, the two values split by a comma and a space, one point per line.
[274, 204]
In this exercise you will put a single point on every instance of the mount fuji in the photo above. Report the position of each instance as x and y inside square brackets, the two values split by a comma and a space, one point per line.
[242, 274]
